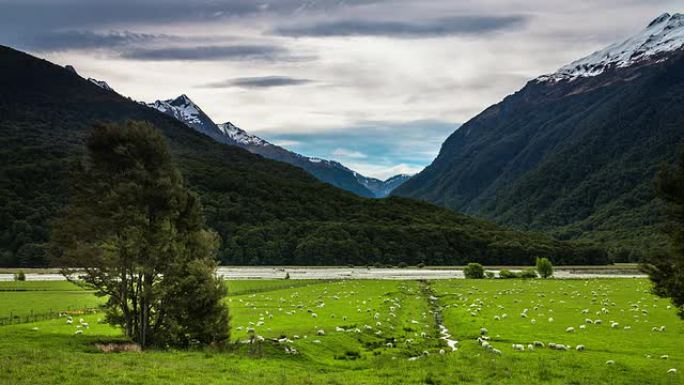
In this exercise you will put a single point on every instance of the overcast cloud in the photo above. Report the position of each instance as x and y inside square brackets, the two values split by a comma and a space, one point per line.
[377, 85]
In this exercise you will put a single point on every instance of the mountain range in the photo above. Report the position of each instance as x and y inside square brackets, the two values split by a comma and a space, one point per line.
[332, 172]
[265, 211]
[575, 152]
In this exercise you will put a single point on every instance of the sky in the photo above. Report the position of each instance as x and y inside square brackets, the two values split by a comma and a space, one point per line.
[377, 84]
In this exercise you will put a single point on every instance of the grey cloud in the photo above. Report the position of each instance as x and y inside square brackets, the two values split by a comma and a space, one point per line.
[230, 52]
[260, 82]
[456, 25]
[85, 39]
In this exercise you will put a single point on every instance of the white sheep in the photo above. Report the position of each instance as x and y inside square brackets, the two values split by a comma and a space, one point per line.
[579, 348]
[610, 362]
[518, 347]
[570, 329]
[672, 371]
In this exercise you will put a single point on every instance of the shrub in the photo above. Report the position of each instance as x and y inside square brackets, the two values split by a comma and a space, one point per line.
[287, 275]
[528, 273]
[20, 276]
[489, 274]
[544, 267]
[507, 274]
[402, 265]
[474, 271]
[421, 265]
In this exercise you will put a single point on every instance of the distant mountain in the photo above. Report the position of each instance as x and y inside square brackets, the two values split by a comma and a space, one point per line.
[266, 212]
[576, 151]
[185, 110]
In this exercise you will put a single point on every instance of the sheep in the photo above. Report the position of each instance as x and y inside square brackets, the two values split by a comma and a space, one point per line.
[518, 347]
[496, 351]
[570, 329]
[69, 321]
[588, 321]
[85, 325]
[582, 327]
[314, 315]
[35, 328]
[598, 322]
[533, 321]
[550, 319]
[530, 347]
[483, 331]
[389, 345]
[614, 325]
[672, 371]
[664, 357]
[339, 329]
[442, 352]
[579, 348]
[497, 318]
[610, 362]
[320, 332]
[79, 331]
[538, 344]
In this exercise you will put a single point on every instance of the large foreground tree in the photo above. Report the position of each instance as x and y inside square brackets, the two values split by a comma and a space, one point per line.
[134, 233]
[666, 269]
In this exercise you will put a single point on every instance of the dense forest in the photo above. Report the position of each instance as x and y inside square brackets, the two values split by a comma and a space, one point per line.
[573, 158]
[266, 212]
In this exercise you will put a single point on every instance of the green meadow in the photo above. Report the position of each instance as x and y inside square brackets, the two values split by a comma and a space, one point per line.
[368, 332]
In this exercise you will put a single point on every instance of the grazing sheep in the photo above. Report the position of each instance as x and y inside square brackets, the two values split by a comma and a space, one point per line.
[320, 332]
[533, 321]
[79, 331]
[538, 344]
[672, 371]
[550, 319]
[579, 348]
[530, 347]
[610, 362]
[442, 352]
[35, 328]
[496, 351]
[598, 322]
[483, 331]
[588, 321]
[389, 345]
[664, 357]
[518, 347]
[69, 321]
[497, 318]
[582, 327]
[316, 341]
[314, 315]
[570, 329]
[339, 329]
[614, 325]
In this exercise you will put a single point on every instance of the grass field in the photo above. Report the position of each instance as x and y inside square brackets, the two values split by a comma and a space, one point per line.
[375, 332]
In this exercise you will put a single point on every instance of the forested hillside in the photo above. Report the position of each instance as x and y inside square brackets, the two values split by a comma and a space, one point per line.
[576, 158]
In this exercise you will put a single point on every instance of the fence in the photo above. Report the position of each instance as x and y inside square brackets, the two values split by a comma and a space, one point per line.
[42, 316]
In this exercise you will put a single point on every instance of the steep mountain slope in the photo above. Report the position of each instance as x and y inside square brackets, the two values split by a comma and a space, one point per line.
[575, 151]
[185, 110]
[266, 212]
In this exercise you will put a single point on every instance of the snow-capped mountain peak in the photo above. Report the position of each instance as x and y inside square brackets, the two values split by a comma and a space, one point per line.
[664, 34]
[183, 109]
[239, 135]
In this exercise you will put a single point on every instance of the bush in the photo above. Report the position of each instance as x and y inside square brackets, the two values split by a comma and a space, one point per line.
[474, 271]
[528, 273]
[287, 275]
[544, 267]
[20, 276]
[489, 274]
[421, 265]
[402, 265]
[507, 274]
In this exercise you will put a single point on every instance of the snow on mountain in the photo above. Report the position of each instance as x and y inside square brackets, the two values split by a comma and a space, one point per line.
[185, 110]
[662, 35]
[101, 84]
[239, 135]
[379, 187]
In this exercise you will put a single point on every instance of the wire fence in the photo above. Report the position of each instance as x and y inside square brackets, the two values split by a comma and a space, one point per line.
[32, 316]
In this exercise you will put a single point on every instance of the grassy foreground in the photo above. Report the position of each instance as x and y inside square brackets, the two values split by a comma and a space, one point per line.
[374, 332]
